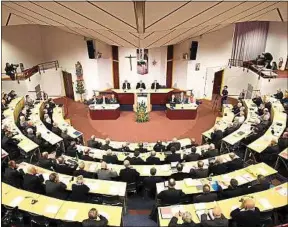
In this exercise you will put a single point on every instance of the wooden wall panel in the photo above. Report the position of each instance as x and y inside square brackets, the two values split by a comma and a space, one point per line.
[169, 72]
[115, 66]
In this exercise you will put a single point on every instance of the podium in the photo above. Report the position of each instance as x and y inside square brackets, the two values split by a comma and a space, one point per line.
[140, 97]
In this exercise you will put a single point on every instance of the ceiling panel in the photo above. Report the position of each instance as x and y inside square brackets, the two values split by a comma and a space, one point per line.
[4, 17]
[119, 39]
[15, 20]
[153, 37]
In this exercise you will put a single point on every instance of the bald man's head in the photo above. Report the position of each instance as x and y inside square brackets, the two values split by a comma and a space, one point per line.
[32, 170]
[249, 204]
[171, 183]
[200, 164]
[153, 153]
[103, 165]
[217, 212]
[126, 163]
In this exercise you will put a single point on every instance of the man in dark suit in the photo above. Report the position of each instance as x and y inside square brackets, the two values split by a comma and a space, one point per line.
[66, 138]
[136, 160]
[106, 146]
[125, 148]
[110, 158]
[72, 150]
[85, 156]
[61, 167]
[200, 172]
[126, 85]
[152, 159]
[173, 99]
[236, 108]
[8, 143]
[155, 85]
[180, 175]
[270, 154]
[128, 174]
[173, 157]
[232, 191]
[232, 127]
[247, 214]
[216, 137]
[192, 144]
[92, 142]
[193, 156]
[141, 148]
[112, 99]
[150, 182]
[171, 195]
[235, 163]
[262, 185]
[218, 167]
[211, 152]
[45, 162]
[55, 188]
[80, 191]
[55, 129]
[175, 144]
[159, 147]
[95, 219]
[207, 195]
[12, 176]
[257, 100]
[219, 219]
[252, 137]
[279, 95]
[81, 171]
[182, 98]
[32, 181]
[140, 85]
[186, 218]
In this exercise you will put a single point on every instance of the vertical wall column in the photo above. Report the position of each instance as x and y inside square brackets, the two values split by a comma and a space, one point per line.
[169, 72]
[115, 66]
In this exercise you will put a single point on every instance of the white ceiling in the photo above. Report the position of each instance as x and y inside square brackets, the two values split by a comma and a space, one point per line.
[117, 23]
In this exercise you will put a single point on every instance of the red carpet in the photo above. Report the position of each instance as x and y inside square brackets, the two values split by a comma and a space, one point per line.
[126, 129]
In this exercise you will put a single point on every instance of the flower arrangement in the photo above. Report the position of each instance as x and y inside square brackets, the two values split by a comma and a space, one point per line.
[141, 114]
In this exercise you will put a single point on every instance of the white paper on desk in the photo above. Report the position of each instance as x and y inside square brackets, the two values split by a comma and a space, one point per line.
[16, 201]
[190, 182]
[105, 215]
[206, 162]
[199, 206]
[92, 168]
[262, 171]
[248, 177]
[282, 191]
[265, 203]
[146, 171]
[241, 180]
[176, 209]
[92, 186]
[70, 214]
[51, 209]
[65, 180]
[186, 169]
[226, 178]
[165, 168]
[45, 176]
[160, 187]
[113, 190]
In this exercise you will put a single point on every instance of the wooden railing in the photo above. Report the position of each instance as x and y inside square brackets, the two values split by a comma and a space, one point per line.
[48, 65]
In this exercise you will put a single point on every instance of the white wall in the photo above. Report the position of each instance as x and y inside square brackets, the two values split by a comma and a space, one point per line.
[214, 51]
[157, 72]
[21, 44]
[277, 41]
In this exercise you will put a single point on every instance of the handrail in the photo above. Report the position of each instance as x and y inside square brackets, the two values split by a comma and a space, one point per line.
[48, 65]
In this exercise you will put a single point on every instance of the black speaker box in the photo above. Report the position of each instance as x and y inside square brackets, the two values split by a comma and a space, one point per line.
[91, 49]
[193, 50]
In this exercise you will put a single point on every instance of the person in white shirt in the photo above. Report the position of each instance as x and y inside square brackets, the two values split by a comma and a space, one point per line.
[241, 118]
[266, 115]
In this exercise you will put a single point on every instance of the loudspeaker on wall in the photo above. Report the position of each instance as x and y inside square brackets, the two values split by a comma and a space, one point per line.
[90, 49]
[193, 50]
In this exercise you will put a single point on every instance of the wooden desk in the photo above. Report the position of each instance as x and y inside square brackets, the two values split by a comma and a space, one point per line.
[11, 117]
[283, 158]
[274, 198]
[46, 134]
[182, 112]
[105, 112]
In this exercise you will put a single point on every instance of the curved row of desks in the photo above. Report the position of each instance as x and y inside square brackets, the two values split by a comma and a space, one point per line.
[55, 208]
[11, 116]
[266, 200]
[243, 176]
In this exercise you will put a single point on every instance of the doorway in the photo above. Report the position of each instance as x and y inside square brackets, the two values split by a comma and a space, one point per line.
[218, 76]
[68, 84]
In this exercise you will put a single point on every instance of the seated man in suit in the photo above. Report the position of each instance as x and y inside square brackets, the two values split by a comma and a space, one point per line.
[247, 214]
[262, 185]
[279, 95]
[47, 121]
[12, 176]
[173, 157]
[180, 175]
[72, 150]
[235, 163]
[200, 172]
[92, 142]
[55, 129]
[125, 147]
[236, 108]
[193, 156]
[45, 162]
[140, 85]
[112, 99]
[126, 85]
[218, 167]
[128, 174]
[211, 152]
[219, 219]
[173, 99]
[283, 141]
[182, 99]
[152, 159]
[62, 167]
[175, 144]
[171, 195]
[216, 136]
[106, 174]
[80, 171]
[257, 100]
[159, 147]
[32, 181]
[106, 146]
[155, 85]
[207, 195]
[136, 160]
[95, 219]
[150, 182]
[55, 188]
[186, 218]
[192, 144]
[232, 191]
[30, 134]
[141, 148]
[110, 158]
[66, 138]
[85, 156]
[270, 154]
[80, 191]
